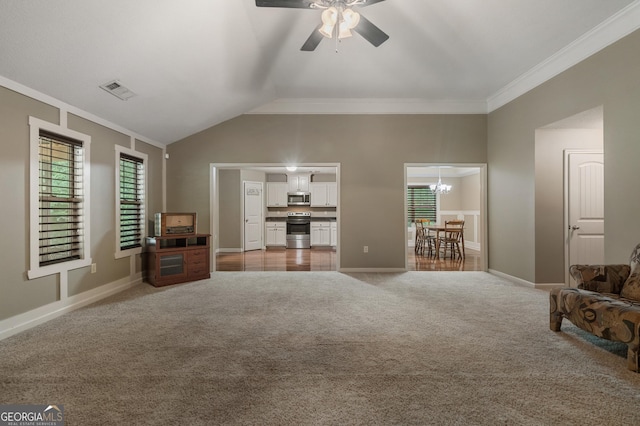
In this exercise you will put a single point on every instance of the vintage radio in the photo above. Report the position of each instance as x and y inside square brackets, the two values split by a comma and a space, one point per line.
[171, 224]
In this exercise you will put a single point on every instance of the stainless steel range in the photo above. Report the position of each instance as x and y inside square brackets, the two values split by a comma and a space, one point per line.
[298, 229]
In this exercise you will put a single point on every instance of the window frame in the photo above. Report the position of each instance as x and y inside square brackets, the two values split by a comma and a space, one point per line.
[119, 150]
[36, 126]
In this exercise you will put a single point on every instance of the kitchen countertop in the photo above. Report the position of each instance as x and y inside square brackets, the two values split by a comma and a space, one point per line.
[275, 218]
[316, 218]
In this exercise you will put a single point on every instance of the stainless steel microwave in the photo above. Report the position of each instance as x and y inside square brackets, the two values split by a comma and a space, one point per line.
[298, 199]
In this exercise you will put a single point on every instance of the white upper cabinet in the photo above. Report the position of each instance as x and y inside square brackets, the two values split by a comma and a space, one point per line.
[277, 194]
[324, 194]
[332, 194]
[299, 182]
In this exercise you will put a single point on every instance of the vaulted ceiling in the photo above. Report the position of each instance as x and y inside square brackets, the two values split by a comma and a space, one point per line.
[195, 63]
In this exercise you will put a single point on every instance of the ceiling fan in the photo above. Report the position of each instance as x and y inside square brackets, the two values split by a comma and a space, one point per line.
[338, 19]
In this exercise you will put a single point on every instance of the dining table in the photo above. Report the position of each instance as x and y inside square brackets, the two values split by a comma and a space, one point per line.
[437, 229]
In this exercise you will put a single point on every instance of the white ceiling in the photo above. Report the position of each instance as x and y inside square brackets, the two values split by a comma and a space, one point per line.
[196, 63]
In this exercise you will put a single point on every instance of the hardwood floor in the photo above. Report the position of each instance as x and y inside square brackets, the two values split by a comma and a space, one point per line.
[417, 262]
[278, 260]
[325, 260]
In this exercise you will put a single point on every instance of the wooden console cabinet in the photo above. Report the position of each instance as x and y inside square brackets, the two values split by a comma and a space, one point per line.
[177, 259]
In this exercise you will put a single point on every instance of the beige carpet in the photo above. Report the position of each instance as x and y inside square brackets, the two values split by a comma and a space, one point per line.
[299, 348]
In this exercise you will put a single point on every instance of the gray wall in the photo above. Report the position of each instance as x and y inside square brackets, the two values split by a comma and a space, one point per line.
[230, 187]
[608, 78]
[371, 150]
[18, 294]
[320, 177]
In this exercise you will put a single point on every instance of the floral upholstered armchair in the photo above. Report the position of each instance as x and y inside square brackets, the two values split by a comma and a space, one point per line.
[606, 303]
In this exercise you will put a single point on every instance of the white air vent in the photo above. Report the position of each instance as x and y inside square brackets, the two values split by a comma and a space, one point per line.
[117, 89]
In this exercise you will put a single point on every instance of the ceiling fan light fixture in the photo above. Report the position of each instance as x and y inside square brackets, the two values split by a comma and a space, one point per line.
[329, 19]
[350, 19]
[338, 20]
[344, 32]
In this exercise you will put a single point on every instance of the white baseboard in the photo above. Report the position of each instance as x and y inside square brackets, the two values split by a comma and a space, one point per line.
[525, 283]
[30, 319]
[472, 245]
[549, 286]
[372, 270]
[513, 279]
[229, 250]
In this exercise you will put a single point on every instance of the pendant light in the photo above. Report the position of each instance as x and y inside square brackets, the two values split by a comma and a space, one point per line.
[440, 188]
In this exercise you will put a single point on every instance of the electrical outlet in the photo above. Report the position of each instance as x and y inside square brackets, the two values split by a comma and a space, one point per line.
[366, 249]
[93, 268]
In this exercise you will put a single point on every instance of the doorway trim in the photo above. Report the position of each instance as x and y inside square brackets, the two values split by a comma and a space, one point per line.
[214, 198]
[484, 251]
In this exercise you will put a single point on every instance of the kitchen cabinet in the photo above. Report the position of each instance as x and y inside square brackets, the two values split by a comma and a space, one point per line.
[324, 194]
[276, 233]
[321, 233]
[277, 194]
[299, 182]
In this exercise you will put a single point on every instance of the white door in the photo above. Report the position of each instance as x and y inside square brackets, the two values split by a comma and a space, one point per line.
[585, 208]
[253, 201]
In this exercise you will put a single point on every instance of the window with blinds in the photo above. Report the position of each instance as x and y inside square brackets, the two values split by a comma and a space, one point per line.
[131, 201]
[61, 192]
[421, 203]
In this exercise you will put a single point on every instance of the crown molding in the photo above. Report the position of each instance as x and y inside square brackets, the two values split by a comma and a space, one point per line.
[370, 106]
[608, 32]
[65, 107]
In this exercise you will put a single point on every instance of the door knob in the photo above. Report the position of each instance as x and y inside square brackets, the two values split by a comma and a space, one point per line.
[574, 227]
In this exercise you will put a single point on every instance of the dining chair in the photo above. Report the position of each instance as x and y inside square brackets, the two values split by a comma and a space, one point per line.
[453, 238]
[429, 237]
[420, 236]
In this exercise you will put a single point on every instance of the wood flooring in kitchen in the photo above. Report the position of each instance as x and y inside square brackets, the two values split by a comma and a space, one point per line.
[325, 260]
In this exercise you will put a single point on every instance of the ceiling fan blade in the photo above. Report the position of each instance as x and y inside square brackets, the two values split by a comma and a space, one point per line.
[313, 41]
[297, 4]
[370, 32]
[370, 2]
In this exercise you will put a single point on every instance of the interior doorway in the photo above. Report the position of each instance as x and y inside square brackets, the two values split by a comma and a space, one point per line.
[235, 240]
[582, 131]
[466, 200]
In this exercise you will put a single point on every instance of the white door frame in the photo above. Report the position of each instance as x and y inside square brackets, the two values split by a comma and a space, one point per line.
[565, 185]
[484, 250]
[214, 198]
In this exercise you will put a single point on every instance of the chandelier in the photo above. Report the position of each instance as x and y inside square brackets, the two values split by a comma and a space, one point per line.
[338, 18]
[440, 188]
